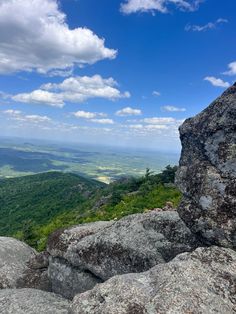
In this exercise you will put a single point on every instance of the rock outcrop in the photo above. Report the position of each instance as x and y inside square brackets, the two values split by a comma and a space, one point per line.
[36, 274]
[31, 301]
[14, 255]
[89, 254]
[145, 263]
[203, 282]
[207, 173]
[67, 278]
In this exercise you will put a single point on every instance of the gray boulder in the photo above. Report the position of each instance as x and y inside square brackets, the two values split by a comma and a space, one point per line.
[65, 278]
[89, 254]
[36, 274]
[203, 282]
[207, 173]
[14, 255]
[31, 301]
[68, 280]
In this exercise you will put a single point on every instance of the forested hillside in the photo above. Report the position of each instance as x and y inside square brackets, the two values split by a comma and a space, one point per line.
[34, 206]
[39, 198]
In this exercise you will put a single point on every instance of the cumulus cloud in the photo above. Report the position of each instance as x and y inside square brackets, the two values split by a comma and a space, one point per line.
[40, 97]
[134, 6]
[136, 126]
[102, 121]
[216, 81]
[173, 109]
[17, 115]
[88, 115]
[158, 124]
[160, 127]
[156, 93]
[232, 69]
[12, 112]
[73, 89]
[161, 120]
[208, 26]
[128, 111]
[149, 127]
[156, 127]
[36, 118]
[35, 36]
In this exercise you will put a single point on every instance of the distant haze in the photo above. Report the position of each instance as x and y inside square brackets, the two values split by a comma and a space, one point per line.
[20, 157]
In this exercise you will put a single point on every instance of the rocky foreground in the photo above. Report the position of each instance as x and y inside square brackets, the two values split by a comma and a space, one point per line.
[162, 262]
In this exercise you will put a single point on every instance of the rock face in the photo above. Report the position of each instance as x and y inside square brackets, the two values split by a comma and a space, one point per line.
[13, 261]
[203, 282]
[89, 254]
[31, 301]
[36, 274]
[207, 173]
[66, 278]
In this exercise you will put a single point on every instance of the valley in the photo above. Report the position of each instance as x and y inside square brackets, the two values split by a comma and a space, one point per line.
[20, 157]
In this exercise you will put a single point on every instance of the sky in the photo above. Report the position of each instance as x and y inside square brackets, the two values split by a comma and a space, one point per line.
[121, 73]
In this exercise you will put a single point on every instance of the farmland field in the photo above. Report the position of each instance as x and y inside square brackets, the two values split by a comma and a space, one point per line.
[105, 164]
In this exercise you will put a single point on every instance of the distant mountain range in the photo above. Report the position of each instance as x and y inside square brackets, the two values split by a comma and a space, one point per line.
[105, 164]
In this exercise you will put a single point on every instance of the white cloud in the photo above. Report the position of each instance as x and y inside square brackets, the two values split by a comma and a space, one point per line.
[149, 127]
[36, 118]
[156, 93]
[35, 36]
[102, 121]
[156, 120]
[134, 6]
[12, 112]
[102, 131]
[63, 73]
[216, 81]
[232, 69]
[208, 26]
[136, 126]
[74, 89]
[84, 114]
[17, 115]
[157, 124]
[128, 111]
[40, 97]
[88, 115]
[156, 127]
[173, 109]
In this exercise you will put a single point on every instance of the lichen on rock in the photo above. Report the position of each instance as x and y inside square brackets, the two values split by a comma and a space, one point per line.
[85, 255]
[207, 172]
[199, 282]
[14, 256]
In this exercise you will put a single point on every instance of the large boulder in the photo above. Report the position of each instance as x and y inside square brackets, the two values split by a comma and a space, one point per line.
[31, 301]
[203, 282]
[207, 173]
[14, 256]
[89, 254]
[66, 278]
[36, 274]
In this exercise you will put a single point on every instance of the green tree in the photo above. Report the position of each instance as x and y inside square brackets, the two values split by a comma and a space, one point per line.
[168, 175]
[148, 174]
[29, 234]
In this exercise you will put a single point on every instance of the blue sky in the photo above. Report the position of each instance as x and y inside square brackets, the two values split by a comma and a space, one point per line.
[121, 72]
